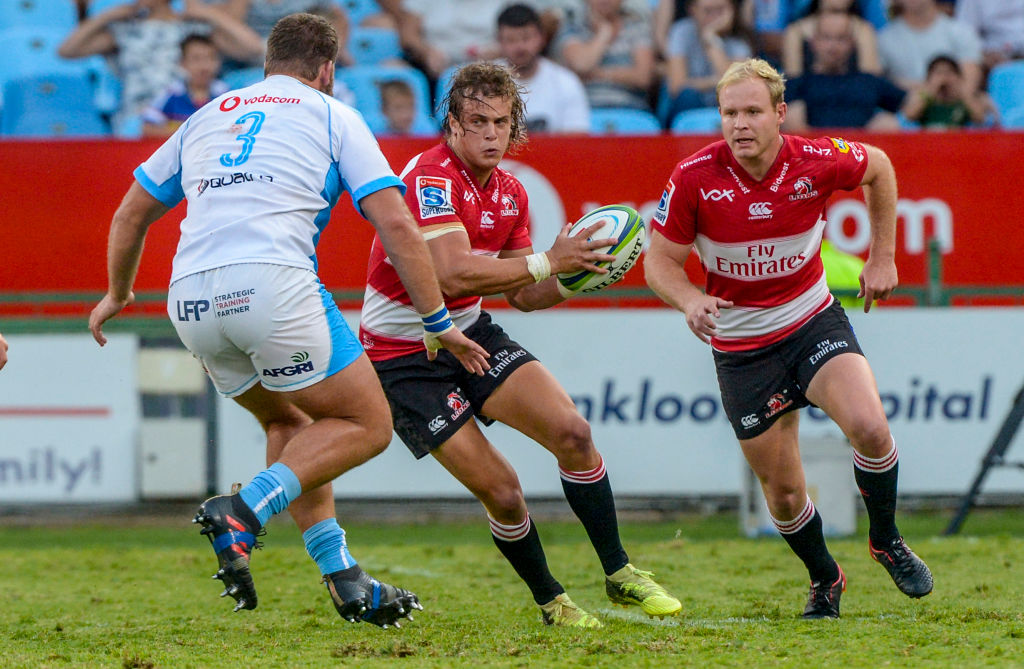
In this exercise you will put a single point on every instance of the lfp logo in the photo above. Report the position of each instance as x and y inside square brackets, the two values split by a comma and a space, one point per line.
[190, 309]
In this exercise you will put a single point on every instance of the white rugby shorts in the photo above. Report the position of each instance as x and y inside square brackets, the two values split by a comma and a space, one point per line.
[255, 322]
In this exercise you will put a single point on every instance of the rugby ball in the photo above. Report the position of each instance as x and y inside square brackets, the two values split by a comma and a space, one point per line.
[623, 224]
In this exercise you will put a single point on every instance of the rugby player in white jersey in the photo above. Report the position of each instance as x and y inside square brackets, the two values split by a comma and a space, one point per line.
[475, 217]
[753, 208]
[261, 168]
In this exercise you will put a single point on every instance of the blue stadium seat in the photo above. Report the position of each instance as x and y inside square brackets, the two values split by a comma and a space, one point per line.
[616, 121]
[358, 10]
[700, 121]
[372, 46]
[1006, 85]
[50, 106]
[1013, 119]
[364, 82]
[32, 50]
[240, 78]
[38, 13]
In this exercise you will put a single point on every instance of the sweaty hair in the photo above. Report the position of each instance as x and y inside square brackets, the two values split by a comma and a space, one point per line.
[518, 16]
[754, 68]
[480, 80]
[300, 44]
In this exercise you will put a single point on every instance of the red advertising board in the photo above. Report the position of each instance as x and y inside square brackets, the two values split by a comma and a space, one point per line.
[961, 188]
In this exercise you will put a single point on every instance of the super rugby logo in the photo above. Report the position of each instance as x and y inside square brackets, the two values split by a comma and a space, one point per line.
[434, 196]
[303, 365]
[456, 404]
[661, 214]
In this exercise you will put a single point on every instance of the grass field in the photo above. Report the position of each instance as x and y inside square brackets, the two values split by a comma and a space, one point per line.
[140, 596]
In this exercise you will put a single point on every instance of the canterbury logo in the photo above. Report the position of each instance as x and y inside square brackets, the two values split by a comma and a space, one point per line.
[715, 194]
[760, 209]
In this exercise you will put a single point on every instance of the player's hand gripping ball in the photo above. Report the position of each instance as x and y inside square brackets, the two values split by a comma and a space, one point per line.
[623, 224]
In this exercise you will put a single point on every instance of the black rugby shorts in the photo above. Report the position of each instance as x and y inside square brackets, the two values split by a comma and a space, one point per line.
[761, 385]
[430, 401]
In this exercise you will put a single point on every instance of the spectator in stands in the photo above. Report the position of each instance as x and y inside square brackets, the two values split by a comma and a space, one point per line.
[261, 15]
[700, 48]
[398, 104]
[796, 44]
[832, 95]
[945, 102]
[201, 63]
[919, 33]
[999, 24]
[438, 35]
[554, 96]
[145, 36]
[612, 50]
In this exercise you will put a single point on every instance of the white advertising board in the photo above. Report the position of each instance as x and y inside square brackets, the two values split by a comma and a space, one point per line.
[69, 416]
[947, 378]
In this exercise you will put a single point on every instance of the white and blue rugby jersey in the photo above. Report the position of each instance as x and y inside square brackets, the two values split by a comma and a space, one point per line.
[261, 168]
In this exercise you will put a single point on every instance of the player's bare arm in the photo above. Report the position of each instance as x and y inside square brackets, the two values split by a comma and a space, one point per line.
[664, 269]
[879, 277]
[407, 251]
[462, 273]
[137, 211]
[3, 351]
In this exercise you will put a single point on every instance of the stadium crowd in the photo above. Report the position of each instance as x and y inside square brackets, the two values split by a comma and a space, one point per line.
[588, 65]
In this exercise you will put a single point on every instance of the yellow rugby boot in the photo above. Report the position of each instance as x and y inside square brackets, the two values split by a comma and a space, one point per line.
[563, 612]
[630, 586]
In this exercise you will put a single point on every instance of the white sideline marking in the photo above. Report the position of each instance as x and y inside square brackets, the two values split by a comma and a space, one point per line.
[679, 620]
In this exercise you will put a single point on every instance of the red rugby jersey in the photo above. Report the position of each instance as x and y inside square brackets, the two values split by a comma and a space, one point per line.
[440, 189]
[759, 241]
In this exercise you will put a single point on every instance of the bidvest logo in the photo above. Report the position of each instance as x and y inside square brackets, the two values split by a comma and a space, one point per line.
[302, 365]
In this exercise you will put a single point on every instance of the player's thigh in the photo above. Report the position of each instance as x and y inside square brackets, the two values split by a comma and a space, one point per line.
[532, 401]
[774, 456]
[352, 393]
[479, 466]
[845, 389]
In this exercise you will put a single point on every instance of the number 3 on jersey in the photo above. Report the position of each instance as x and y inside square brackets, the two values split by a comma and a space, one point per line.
[247, 138]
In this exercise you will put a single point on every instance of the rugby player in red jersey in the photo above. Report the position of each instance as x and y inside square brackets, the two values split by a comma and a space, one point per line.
[752, 205]
[474, 216]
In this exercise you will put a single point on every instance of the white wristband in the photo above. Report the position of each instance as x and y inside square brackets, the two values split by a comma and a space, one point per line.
[539, 266]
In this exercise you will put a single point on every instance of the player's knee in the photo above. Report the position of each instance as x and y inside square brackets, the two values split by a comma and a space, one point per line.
[505, 501]
[785, 501]
[573, 438]
[871, 437]
[378, 436]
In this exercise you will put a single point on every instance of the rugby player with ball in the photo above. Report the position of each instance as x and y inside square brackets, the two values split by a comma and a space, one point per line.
[474, 217]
